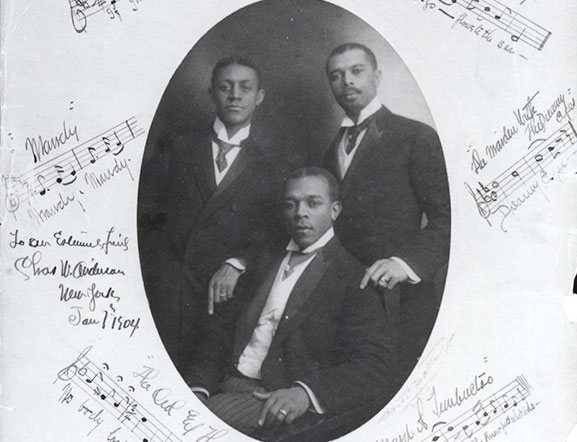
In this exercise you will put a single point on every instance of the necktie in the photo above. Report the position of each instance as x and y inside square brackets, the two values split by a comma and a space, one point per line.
[223, 149]
[295, 259]
[353, 133]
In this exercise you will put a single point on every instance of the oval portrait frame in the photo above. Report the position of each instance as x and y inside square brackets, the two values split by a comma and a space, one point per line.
[297, 122]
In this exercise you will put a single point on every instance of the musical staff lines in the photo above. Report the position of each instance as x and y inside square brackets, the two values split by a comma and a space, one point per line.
[81, 10]
[62, 170]
[115, 400]
[484, 412]
[520, 28]
[541, 154]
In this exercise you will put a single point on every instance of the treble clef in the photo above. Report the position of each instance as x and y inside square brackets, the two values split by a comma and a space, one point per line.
[77, 15]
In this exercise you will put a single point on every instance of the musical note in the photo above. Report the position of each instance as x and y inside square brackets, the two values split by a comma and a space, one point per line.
[485, 411]
[516, 38]
[115, 400]
[106, 142]
[521, 28]
[469, 7]
[91, 151]
[41, 180]
[119, 145]
[63, 168]
[515, 174]
[60, 171]
[97, 374]
[483, 417]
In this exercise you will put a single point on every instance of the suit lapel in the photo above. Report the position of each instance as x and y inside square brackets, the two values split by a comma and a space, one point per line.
[228, 187]
[237, 167]
[252, 313]
[201, 156]
[332, 161]
[377, 135]
[305, 292]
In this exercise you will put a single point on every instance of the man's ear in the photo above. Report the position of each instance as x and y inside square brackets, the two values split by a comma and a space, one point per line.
[336, 208]
[260, 96]
[378, 78]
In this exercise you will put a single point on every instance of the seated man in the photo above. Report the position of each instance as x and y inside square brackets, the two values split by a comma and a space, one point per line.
[309, 340]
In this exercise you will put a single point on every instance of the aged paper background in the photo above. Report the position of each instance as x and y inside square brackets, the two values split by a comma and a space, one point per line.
[502, 345]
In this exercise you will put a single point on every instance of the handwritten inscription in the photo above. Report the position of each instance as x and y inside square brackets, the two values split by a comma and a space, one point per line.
[530, 120]
[106, 243]
[490, 415]
[40, 147]
[86, 286]
[81, 10]
[32, 265]
[535, 121]
[539, 167]
[52, 186]
[94, 388]
[442, 405]
[485, 18]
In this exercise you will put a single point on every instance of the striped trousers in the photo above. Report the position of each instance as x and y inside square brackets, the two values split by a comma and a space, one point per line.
[236, 405]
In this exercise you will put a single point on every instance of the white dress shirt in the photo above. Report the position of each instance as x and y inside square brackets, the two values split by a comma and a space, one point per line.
[345, 159]
[236, 139]
[255, 352]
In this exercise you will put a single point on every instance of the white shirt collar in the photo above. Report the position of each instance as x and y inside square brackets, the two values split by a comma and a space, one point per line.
[321, 242]
[369, 110]
[237, 138]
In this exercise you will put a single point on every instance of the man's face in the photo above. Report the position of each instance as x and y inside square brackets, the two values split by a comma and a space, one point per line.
[353, 80]
[236, 94]
[308, 209]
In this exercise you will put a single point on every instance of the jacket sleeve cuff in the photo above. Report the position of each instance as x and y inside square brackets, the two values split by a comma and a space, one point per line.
[200, 390]
[237, 263]
[314, 400]
[413, 277]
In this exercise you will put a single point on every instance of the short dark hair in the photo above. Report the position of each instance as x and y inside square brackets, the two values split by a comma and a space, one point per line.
[341, 49]
[332, 182]
[228, 61]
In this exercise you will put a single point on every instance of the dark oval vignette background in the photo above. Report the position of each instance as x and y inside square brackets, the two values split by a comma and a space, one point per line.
[289, 41]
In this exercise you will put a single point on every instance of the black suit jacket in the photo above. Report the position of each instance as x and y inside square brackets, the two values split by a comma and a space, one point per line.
[397, 174]
[333, 336]
[192, 227]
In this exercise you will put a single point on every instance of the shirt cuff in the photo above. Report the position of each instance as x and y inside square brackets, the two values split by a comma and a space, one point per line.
[316, 404]
[237, 263]
[200, 390]
[413, 277]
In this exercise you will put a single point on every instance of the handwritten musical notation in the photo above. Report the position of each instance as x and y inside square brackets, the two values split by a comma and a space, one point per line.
[115, 399]
[81, 10]
[483, 413]
[520, 28]
[542, 153]
[63, 169]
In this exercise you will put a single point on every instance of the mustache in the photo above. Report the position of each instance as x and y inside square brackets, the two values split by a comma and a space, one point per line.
[350, 89]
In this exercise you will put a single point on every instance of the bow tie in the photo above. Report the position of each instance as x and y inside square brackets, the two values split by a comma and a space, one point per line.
[353, 133]
[295, 259]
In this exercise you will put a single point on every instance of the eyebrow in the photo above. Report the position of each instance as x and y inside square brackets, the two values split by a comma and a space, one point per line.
[306, 197]
[352, 67]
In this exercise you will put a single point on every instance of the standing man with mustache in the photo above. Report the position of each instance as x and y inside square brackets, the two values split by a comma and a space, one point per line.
[396, 214]
[218, 189]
